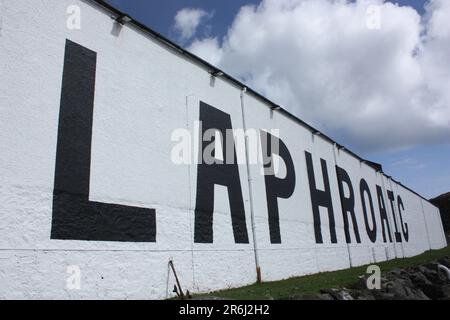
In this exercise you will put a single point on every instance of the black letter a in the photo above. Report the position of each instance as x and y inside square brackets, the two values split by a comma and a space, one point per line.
[223, 174]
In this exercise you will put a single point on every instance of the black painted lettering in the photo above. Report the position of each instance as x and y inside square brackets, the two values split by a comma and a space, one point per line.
[276, 187]
[218, 173]
[397, 235]
[74, 216]
[383, 214]
[401, 208]
[347, 204]
[364, 189]
[320, 198]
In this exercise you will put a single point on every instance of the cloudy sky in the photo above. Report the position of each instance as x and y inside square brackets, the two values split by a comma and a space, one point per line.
[372, 74]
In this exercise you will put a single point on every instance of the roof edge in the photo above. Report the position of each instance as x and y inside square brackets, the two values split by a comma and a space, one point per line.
[214, 70]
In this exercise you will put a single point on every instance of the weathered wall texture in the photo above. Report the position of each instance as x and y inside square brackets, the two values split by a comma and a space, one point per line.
[87, 178]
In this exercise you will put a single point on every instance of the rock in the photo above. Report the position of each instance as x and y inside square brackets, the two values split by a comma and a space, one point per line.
[395, 272]
[443, 274]
[446, 292]
[363, 295]
[415, 294]
[200, 298]
[445, 262]
[381, 295]
[421, 269]
[362, 282]
[435, 273]
[433, 291]
[431, 265]
[401, 288]
[325, 297]
[318, 296]
[396, 287]
[432, 275]
[419, 278]
[343, 294]
[415, 283]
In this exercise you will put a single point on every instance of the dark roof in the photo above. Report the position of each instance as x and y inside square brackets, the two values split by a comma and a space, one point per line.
[215, 71]
[442, 197]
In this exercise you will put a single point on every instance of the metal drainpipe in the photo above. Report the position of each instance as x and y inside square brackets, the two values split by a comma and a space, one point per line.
[426, 223]
[250, 190]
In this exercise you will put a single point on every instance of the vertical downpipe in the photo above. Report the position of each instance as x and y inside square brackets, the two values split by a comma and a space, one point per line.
[426, 223]
[250, 190]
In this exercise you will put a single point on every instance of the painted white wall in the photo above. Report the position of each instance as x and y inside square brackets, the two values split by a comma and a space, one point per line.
[143, 92]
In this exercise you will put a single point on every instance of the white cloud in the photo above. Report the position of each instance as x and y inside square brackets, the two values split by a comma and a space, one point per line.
[187, 21]
[376, 88]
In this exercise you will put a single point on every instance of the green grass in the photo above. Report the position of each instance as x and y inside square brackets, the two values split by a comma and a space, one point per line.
[310, 284]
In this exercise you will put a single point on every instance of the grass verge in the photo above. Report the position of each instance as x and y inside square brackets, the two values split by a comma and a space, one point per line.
[310, 284]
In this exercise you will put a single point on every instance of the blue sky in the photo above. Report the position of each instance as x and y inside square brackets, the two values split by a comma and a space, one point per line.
[423, 167]
[159, 15]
